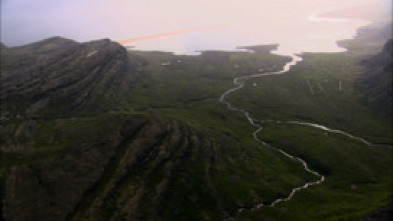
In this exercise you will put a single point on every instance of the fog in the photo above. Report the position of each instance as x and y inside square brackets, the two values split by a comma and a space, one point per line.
[185, 27]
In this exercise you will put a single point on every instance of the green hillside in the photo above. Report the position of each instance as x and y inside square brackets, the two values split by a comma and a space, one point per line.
[91, 131]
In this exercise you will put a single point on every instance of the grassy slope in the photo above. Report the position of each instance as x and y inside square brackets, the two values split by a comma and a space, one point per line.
[347, 194]
[358, 177]
[189, 91]
[244, 174]
[289, 97]
[195, 78]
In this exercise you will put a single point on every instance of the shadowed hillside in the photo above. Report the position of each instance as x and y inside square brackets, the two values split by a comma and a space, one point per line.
[376, 81]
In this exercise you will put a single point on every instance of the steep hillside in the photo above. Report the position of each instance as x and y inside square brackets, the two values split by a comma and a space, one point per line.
[135, 166]
[376, 81]
[62, 77]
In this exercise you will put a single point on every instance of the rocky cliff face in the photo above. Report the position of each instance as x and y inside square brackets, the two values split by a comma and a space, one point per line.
[60, 76]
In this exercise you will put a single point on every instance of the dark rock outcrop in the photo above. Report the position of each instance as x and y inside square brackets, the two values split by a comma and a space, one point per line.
[60, 76]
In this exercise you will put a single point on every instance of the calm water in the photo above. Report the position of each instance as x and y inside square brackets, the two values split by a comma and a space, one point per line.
[161, 24]
[299, 33]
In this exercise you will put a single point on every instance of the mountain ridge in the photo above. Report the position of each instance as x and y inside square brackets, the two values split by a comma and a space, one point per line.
[64, 75]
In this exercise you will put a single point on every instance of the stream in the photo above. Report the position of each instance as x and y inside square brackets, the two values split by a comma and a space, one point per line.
[239, 83]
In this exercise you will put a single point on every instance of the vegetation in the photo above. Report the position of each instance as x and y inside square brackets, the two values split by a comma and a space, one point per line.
[152, 141]
[358, 176]
[321, 89]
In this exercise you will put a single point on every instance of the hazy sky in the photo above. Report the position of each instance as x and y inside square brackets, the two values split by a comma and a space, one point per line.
[245, 21]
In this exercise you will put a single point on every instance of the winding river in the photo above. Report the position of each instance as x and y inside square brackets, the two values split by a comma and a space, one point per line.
[239, 83]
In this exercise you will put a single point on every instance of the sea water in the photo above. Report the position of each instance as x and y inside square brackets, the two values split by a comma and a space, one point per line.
[295, 30]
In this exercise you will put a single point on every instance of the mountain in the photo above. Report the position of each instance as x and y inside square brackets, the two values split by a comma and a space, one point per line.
[47, 45]
[62, 77]
[107, 166]
[68, 153]
[139, 167]
[91, 131]
[376, 81]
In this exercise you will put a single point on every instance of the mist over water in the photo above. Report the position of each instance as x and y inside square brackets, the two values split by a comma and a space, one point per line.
[213, 25]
